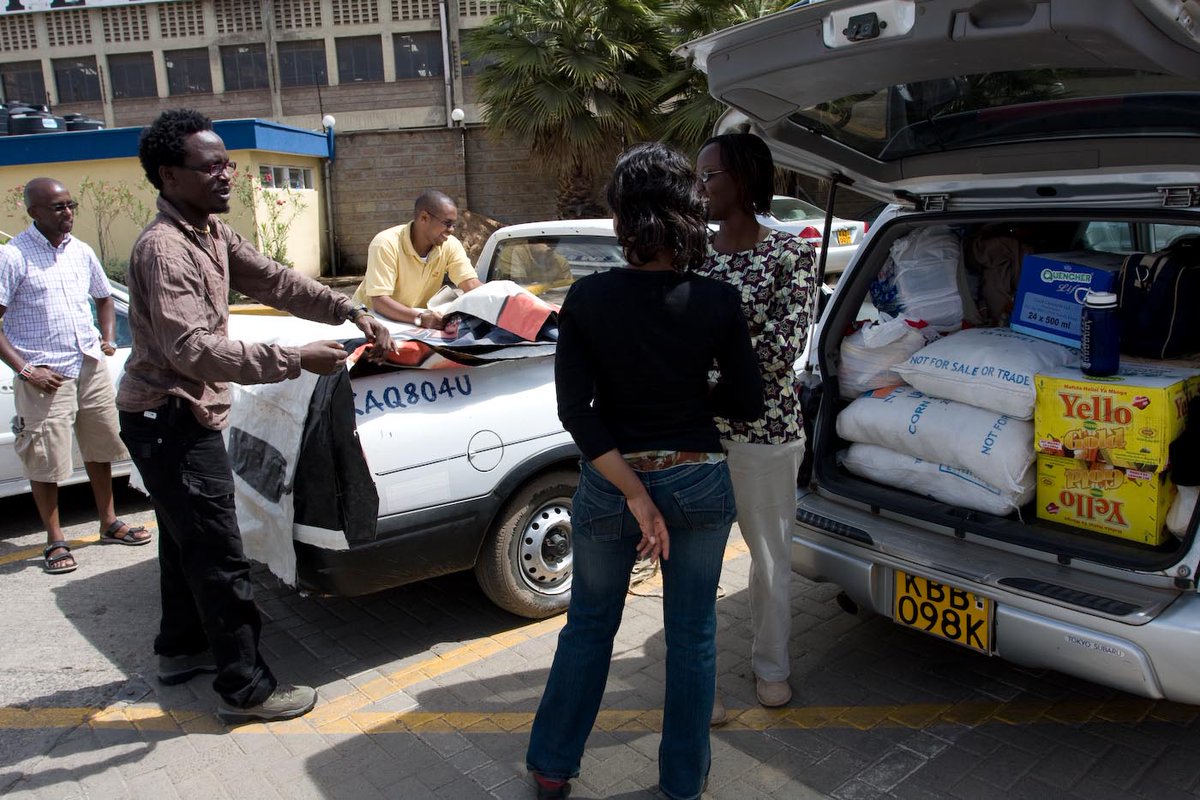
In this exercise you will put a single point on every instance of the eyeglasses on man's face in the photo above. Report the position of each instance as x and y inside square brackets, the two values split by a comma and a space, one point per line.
[448, 224]
[213, 170]
[58, 208]
[704, 176]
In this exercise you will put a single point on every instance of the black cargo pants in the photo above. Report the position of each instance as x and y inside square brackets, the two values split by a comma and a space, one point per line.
[207, 596]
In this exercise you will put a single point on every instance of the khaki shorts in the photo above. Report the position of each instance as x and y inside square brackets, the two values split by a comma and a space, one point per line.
[44, 421]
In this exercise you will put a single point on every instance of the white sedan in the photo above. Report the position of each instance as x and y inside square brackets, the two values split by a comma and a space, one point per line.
[807, 221]
[406, 474]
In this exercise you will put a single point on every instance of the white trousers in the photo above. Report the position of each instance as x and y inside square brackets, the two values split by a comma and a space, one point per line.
[764, 487]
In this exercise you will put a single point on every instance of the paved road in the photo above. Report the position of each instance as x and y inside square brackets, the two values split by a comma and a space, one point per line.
[428, 691]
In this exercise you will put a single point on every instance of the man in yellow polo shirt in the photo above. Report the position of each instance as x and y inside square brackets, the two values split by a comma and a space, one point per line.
[407, 264]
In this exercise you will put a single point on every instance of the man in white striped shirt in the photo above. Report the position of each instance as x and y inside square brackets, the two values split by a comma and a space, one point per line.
[51, 343]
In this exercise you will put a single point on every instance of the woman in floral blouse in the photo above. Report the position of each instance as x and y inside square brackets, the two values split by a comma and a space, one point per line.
[775, 275]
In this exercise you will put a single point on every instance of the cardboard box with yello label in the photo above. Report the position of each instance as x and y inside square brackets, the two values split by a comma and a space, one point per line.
[1125, 503]
[1128, 420]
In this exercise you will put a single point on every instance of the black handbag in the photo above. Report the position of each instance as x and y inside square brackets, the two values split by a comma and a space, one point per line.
[1158, 293]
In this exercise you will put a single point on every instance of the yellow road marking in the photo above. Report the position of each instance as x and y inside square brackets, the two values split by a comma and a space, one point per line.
[341, 714]
[459, 657]
[148, 719]
[36, 552]
[346, 715]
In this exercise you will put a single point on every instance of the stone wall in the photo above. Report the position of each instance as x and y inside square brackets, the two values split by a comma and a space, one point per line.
[140, 111]
[377, 175]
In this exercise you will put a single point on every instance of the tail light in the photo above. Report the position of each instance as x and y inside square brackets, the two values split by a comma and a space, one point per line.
[811, 233]
[866, 227]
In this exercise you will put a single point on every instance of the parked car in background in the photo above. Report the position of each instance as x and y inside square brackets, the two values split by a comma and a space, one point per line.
[12, 478]
[807, 221]
[937, 103]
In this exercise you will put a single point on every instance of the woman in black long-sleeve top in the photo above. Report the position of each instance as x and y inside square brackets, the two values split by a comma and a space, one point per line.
[636, 346]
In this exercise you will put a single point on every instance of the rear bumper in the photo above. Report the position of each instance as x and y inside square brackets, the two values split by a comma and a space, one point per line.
[1159, 658]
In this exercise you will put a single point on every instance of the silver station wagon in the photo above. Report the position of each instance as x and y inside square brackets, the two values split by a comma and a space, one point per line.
[1044, 127]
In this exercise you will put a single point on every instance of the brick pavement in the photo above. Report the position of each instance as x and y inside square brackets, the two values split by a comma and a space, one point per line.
[428, 691]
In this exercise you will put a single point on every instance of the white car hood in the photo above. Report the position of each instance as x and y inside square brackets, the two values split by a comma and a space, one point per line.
[775, 72]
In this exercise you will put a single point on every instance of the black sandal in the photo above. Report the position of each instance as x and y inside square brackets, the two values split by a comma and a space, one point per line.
[52, 564]
[130, 536]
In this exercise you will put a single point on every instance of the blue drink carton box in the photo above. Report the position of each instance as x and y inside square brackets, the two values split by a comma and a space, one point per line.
[1051, 290]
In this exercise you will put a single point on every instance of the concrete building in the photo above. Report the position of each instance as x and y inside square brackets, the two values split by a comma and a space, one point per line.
[390, 72]
[286, 219]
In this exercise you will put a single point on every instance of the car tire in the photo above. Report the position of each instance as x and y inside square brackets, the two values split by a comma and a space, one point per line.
[525, 564]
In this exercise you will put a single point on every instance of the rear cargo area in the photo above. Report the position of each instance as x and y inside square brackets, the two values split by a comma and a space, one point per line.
[961, 405]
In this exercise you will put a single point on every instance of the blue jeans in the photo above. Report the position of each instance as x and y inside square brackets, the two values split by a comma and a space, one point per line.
[696, 500]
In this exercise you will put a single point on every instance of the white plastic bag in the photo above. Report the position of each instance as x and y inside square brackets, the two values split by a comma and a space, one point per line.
[991, 368]
[921, 278]
[997, 448]
[944, 483]
[1181, 510]
[868, 354]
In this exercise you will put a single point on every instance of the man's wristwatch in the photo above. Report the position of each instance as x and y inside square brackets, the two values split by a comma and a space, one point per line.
[417, 319]
[354, 313]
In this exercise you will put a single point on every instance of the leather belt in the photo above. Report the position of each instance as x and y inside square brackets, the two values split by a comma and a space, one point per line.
[667, 460]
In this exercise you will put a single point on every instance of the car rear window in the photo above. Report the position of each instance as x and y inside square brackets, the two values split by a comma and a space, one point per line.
[791, 209]
[970, 110]
[548, 265]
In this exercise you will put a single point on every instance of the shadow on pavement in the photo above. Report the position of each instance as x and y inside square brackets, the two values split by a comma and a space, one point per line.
[21, 744]
[862, 683]
[868, 685]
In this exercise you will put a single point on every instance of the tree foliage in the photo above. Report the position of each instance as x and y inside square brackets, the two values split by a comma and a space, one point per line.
[576, 80]
[687, 112]
[579, 80]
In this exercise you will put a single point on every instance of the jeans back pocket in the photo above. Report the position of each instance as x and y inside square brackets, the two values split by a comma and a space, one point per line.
[707, 502]
[598, 511]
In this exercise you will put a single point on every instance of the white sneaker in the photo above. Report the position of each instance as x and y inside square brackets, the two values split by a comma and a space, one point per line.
[772, 694]
[719, 715]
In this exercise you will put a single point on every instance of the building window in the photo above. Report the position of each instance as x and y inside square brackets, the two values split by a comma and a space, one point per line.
[132, 75]
[285, 177]
[23, 81]
[77, 79]
[474, 64]
[418, 55]
[244, 67]
[359, 58]
[302, 63]
[188, 71]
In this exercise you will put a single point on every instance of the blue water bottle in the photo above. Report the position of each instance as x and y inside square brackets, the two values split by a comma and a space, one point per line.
[1099, 335]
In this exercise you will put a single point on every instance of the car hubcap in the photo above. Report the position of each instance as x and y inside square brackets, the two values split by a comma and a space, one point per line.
[545, 549]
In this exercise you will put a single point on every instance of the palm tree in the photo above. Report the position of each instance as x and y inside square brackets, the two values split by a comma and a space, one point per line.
[576, 80]
[687, 111]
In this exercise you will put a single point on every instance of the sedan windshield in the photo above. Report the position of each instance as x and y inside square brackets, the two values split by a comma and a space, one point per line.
[1030, 105]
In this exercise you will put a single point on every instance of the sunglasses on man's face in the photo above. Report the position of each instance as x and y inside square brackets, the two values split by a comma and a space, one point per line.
[58, 208]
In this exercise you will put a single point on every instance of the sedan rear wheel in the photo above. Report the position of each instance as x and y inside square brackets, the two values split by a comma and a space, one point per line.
[526, 563]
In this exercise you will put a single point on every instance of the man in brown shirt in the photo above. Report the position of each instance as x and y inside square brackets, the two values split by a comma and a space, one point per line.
[174, 401]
